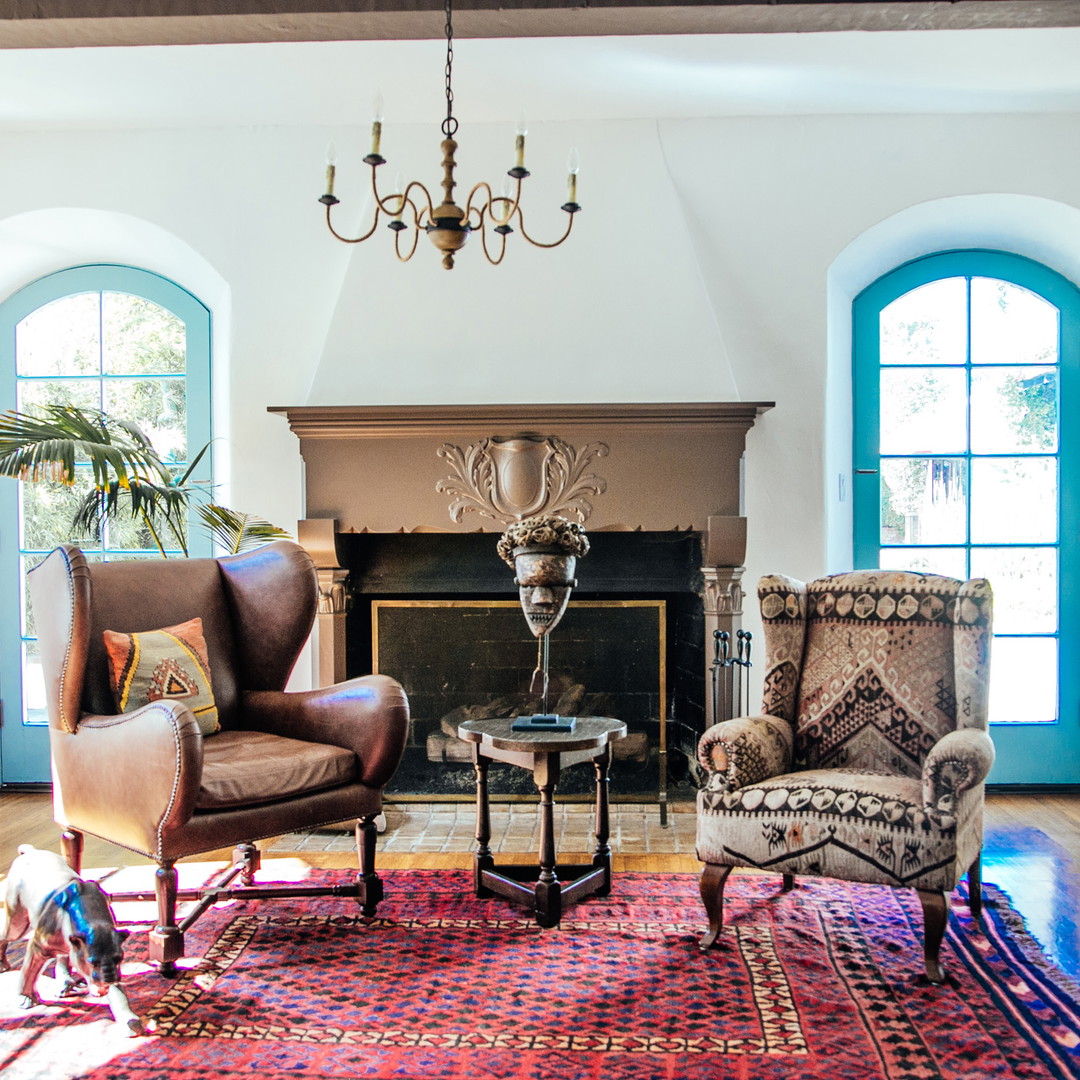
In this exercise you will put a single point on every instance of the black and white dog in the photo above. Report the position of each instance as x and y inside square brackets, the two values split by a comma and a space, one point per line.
[68, 920]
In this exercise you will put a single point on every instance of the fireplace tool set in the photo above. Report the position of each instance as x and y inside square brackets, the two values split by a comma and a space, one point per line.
[729, 687]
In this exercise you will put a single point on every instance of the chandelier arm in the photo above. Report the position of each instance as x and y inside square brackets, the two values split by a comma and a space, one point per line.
[401, 202]
[539, 244]
[351, 239]
[415, 241]
[487, 254]
[427, 199]
[392, 211]
[513, 204]
[489, 204]
[470, 209]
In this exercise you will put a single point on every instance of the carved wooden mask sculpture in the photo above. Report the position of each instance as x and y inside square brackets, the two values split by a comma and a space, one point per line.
[543, 552]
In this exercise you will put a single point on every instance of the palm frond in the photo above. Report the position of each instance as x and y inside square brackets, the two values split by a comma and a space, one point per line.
[235, 531]
[129, 478]
[154, 504]
[37, 447]
[184, 480]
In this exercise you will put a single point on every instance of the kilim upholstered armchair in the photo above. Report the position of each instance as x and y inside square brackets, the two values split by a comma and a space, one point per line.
[170, 731]
[869, 761]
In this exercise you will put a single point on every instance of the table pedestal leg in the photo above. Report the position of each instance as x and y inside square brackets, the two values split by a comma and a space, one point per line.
[484, 860]
[548, 887]
[602, 854]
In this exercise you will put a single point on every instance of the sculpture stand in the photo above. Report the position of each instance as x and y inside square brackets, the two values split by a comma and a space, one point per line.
[542, 721]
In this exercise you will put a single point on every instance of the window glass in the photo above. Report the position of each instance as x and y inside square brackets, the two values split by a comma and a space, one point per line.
[927, 325]
[1011, 324]
[957, 443]
[101, 338]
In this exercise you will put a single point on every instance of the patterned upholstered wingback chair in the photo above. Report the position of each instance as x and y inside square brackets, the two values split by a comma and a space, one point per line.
[869, 761]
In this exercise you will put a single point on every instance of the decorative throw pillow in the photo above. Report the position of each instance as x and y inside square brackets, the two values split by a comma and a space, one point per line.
[168, 663]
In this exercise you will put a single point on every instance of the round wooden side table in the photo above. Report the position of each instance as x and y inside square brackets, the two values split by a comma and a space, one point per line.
[546, 753]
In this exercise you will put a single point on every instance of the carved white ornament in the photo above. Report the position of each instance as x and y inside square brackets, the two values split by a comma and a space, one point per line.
[723, 593]
[508, 478]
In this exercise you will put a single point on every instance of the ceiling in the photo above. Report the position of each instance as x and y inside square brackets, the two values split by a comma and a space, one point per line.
[332, 82]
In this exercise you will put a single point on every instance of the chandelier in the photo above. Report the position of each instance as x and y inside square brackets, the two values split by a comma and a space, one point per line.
[449, 225]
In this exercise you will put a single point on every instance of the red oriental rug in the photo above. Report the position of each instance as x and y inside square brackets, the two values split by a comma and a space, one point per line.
[819, 983]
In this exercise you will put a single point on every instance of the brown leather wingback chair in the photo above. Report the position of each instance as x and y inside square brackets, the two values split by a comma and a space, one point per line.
[150, 781]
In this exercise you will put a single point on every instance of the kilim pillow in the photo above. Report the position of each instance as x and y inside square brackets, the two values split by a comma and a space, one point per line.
[167, 663]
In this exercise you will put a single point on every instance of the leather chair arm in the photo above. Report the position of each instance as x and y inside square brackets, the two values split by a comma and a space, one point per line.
[368, 715]
[745, 750]
[131, 777]
[956, 763]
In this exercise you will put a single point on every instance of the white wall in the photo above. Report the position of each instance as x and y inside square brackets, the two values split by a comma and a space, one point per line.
[712, 260]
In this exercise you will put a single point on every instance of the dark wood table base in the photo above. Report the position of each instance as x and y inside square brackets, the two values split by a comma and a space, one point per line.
[548, 889]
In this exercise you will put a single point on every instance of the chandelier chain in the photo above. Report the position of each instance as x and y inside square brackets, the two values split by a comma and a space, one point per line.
[450, 124]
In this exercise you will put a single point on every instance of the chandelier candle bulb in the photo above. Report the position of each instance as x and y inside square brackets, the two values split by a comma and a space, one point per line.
[331, 162]
[519, 172]
[375, 158]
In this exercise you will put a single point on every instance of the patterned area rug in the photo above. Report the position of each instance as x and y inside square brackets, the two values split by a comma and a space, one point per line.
[819, 983]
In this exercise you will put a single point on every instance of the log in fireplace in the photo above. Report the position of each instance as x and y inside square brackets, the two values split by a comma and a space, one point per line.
[404, 505]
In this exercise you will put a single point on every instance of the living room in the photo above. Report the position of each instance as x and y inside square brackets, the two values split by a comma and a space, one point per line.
[746, 172]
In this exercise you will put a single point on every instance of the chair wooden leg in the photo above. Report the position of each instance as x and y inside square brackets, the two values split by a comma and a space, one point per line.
[935, 907]
[371, 887]
[247, 857]
[71, 844]
[166, 939]
[975, 897]
[789, 882]
[712, 896]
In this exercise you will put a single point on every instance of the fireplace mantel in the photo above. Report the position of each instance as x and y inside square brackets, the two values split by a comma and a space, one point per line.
[374, 468]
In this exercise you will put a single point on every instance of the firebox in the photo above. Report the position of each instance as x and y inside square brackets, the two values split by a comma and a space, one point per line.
[434, 610]
[472, 659]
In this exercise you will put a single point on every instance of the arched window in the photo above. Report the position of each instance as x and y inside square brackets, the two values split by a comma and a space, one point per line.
[114, 338]
[965, 377]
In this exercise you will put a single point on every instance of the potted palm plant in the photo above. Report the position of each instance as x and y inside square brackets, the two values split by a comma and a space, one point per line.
[128, 478]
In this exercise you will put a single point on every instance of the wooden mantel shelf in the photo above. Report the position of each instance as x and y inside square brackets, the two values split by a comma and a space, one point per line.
[403, 421]
[388, 468]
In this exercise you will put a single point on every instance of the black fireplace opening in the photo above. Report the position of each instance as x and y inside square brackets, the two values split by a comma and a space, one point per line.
[440, 612]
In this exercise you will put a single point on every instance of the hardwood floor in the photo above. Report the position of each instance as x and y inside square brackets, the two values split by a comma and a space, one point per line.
[1031, 851]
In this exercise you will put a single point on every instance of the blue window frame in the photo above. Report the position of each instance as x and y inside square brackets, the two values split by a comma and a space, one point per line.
[966, 368]
[116, 338]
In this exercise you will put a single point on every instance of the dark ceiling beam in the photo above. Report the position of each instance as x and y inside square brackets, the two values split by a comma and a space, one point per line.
[67, 23]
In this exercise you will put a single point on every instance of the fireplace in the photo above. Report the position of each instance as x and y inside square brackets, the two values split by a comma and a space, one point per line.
[404, 506]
